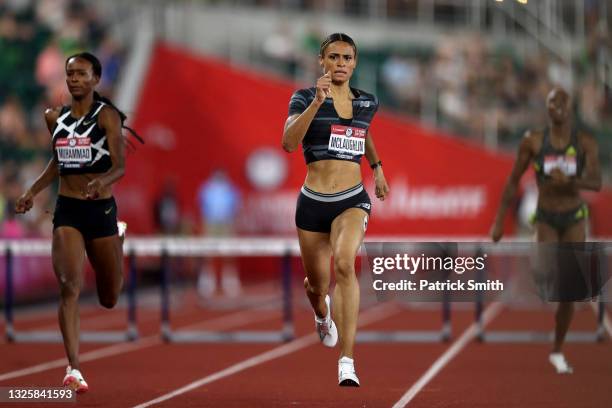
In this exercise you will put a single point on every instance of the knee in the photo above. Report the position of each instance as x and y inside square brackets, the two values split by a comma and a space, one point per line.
[344, 268]
[108, 301]
[69, 291]
[319, 290]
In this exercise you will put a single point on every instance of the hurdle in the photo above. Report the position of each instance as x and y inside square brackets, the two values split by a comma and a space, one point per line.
[166, 248]
[285, 249]
[531, 336]
[40, 247]
[443, 334]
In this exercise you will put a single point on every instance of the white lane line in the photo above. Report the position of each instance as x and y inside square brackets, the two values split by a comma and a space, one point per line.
[218, 323]
[468, 335]
[367, 317]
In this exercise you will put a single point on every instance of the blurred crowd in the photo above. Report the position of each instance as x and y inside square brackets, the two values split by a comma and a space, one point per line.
[462, 83]
[485, 91]
[36, 36]
[474, 90]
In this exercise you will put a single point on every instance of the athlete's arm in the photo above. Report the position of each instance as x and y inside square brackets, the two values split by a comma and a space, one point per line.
[25, 202]
[110, 121]
[297, 124]
[382, 188]
[591, 176]
[523, 158]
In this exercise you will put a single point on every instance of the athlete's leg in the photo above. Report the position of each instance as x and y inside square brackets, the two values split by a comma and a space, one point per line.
[347, 233]
[316, 258]
[68, 254]
[106, 257]
[565, 310]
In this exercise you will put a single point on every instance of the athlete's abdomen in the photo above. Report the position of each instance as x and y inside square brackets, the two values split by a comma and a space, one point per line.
[331, 176]
[75, 185]
[556, 198]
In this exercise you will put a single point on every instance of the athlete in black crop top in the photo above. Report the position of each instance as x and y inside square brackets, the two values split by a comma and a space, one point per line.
[88, 157]
[566, 161]
[332, 122]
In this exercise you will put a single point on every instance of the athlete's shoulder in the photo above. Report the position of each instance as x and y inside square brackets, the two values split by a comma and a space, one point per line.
[108, 116]
[585, 135]
[366, 97]
[586, 138]
[306, 92]
[105, 109]
[300, 100]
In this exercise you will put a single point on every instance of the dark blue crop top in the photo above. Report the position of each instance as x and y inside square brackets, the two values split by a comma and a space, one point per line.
[330, 137]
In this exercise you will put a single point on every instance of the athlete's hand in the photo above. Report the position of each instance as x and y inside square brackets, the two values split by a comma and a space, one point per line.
[24, 203]
[93, 189]
[323, 87]
[382, 188]
[497, 230]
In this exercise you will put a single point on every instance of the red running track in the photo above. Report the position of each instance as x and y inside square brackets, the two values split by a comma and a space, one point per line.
[303, 373]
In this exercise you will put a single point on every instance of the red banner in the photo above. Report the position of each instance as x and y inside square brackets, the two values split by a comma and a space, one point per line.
[198, 114]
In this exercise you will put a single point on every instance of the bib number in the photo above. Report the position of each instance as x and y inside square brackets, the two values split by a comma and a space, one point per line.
[347, 140]
[74, 150]
[567, 164]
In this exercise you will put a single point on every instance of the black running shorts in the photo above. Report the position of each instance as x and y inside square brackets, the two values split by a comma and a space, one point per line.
[93, 218]
[316, 212]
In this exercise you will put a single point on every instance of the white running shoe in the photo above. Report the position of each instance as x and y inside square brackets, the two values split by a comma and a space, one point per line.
[328, 333]
[346, 373]
[121, 228]
[74, 379]
[558, 360]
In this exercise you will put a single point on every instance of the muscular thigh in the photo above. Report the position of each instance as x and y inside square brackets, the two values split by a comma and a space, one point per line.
[316, 252]
[68, 254]
[347, 232]
[106, 256]
[575, 232]
[546, 233]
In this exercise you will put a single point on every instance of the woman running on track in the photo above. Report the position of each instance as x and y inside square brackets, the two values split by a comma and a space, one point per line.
[331, 120]
[88, 157]
[566, 161]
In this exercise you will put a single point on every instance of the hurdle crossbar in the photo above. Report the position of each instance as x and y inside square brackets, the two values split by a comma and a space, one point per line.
[532, 336]
[43, 248]
[284, 248]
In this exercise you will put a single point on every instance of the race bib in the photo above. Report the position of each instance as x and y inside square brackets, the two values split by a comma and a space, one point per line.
[566, 163]
[73, 150]
[347, 140]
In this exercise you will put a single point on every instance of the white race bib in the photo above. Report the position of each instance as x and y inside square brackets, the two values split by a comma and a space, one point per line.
[73, 150]
[347, 139]
[565, 163]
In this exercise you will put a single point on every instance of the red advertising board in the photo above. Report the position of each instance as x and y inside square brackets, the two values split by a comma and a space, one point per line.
[198, 114]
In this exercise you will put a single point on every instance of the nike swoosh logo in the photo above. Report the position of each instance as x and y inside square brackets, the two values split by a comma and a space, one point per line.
[88, 122]
[108, 211]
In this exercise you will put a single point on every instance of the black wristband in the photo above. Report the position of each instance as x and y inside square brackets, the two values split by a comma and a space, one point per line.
[375, 165]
